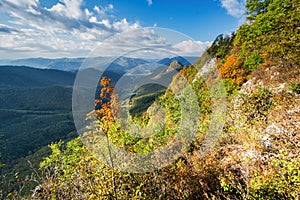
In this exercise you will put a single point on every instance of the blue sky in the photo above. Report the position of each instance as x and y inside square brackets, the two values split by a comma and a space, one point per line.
[73, 28]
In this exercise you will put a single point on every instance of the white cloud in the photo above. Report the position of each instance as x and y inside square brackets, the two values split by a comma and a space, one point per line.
[191, 48]
[93, 19]
[104, 10]
[123, 25]
[97, 9]
[87, 12]
[133, 43]
[66, 29]
[235, 8]
[110, 6]
[27, 5]
[7, 29]
[71, 30]
[104, 22]
[149, 43]
[150, 2]
[69, 8]
[23, 3]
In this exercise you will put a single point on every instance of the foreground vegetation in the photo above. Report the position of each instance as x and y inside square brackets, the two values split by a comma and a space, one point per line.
[31, 118]
[257, 153]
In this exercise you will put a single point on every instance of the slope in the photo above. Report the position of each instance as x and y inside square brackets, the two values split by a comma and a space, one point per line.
[25, 77]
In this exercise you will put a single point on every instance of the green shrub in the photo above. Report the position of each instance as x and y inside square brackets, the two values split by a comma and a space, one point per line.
[253, 61]
[295, 87]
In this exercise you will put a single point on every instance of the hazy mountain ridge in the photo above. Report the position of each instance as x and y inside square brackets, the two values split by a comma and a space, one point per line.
[74, 64]
[34, 95]
[26, 77]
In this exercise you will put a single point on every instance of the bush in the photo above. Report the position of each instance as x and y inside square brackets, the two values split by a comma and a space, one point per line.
[233, 70]
[295, 87]
[253, 61]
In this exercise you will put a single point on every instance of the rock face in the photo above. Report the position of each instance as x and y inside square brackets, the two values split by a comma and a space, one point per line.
[265, 116]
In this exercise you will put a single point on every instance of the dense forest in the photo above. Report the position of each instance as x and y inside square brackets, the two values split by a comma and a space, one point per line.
[256, 155]
[35, 110]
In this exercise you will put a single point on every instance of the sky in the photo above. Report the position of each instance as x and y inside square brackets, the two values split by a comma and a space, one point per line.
[75, 28]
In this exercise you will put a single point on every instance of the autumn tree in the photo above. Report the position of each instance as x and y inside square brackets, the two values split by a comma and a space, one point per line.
[232, 69]
[108, 104]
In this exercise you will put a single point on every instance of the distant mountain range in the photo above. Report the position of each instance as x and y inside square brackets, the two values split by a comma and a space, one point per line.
[41, 72]
[73, 64]
[181, 60]
[38, 97]
[65, 64]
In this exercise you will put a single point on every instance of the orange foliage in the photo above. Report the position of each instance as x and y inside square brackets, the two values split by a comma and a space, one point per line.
[182, 72]
[189, 72]
[108, 102]
[233, 70]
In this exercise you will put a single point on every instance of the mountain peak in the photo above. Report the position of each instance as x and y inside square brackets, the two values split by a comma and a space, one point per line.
[179, 59]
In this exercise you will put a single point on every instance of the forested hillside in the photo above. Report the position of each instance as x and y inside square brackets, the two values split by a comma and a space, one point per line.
[256, 156]
[35, 110]
[26, 77]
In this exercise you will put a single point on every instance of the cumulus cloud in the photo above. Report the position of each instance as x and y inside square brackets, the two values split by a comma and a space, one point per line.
[66, 15]
[150, 43]
[103, 10]
[123, 25]
[235, 8]
[70, 30]
[191, 48]
[132, 41]
[65, 29]
[69, 8]
[104, 22]
[149, 2]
